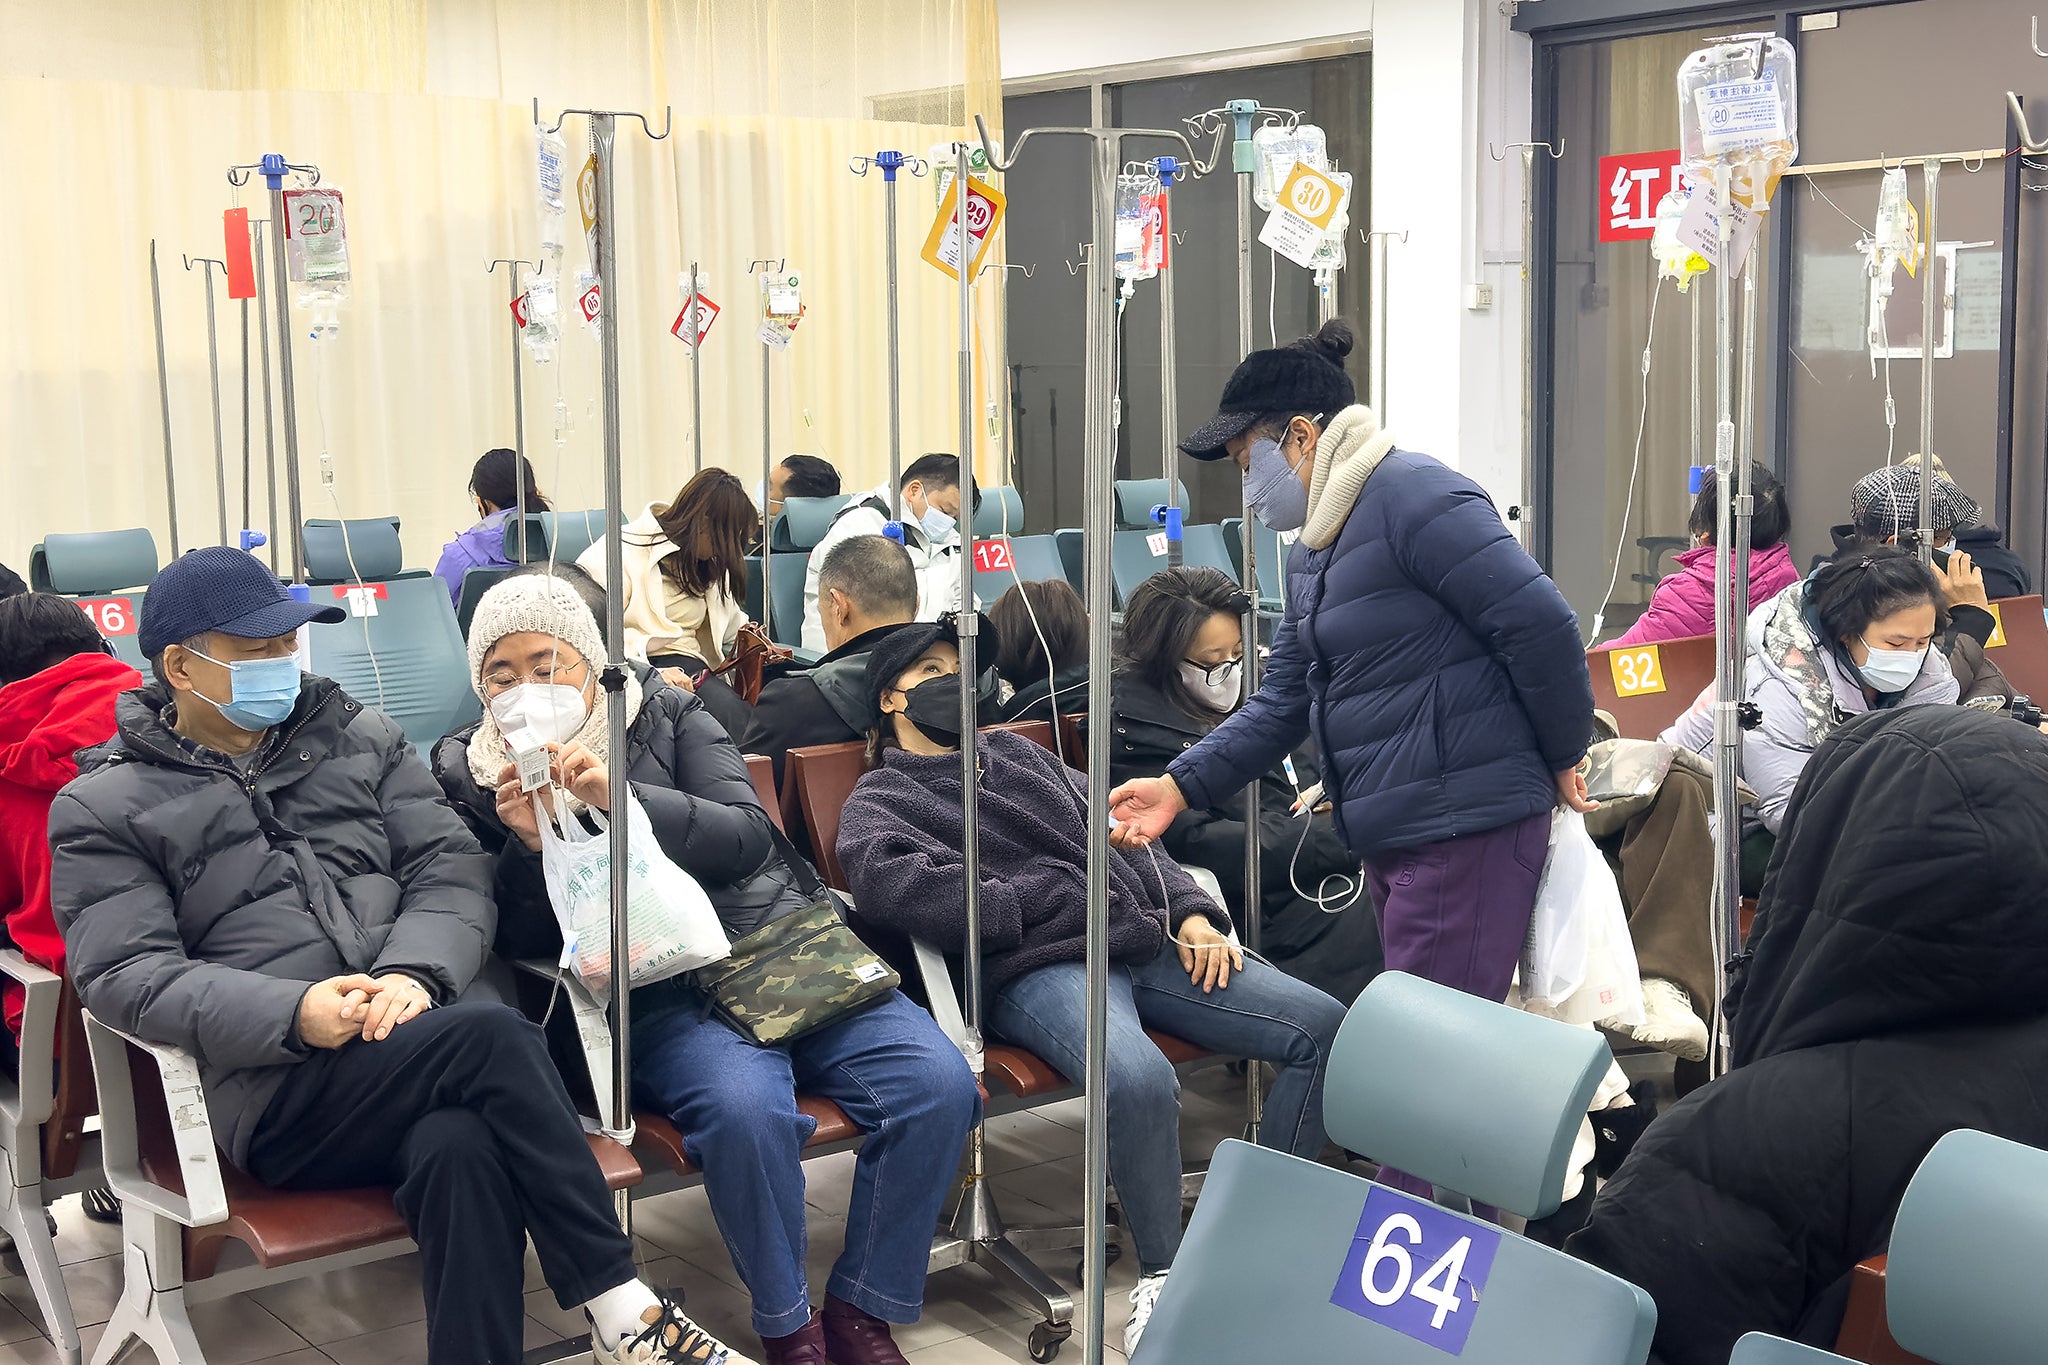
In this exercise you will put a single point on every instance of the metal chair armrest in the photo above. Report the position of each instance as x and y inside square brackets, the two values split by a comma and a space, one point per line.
[32, 1101]
[942, 994]
[205, 1199]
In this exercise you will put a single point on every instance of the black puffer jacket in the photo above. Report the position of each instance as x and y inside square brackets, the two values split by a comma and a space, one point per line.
[1898, 990]
[199, 904]
[694, 785]
[1337, 953]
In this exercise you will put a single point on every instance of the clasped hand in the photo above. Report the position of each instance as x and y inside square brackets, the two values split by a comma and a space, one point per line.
[341, 1008]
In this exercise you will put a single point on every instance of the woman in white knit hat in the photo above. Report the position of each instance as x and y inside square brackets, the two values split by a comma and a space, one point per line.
[535, 653]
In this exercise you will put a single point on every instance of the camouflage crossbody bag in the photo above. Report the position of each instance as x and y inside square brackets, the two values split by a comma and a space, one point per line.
[794, 975]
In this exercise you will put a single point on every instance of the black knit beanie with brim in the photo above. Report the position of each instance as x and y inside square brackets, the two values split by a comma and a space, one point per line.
[1302, 376]
[901, 647]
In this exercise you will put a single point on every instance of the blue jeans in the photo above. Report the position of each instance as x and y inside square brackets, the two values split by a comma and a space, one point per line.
[1263, 1014]
[896, 1076]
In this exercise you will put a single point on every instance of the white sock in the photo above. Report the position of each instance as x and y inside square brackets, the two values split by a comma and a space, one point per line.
[619, 1313]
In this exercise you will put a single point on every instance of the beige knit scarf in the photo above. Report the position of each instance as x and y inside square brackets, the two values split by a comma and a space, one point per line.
[488, 753]
[1352, 447]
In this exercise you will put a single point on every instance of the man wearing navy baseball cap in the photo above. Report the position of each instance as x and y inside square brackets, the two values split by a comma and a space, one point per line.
[260, 870]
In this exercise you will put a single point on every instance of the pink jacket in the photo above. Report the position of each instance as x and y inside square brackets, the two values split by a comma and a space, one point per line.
[1684, 603]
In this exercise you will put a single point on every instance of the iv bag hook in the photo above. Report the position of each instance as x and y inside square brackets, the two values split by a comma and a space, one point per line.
[2030, 145]
[1501, 153]
[667, 119]
[1201, 168]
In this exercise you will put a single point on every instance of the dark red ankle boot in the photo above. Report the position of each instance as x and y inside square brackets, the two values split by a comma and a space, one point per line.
[804, 1346]
[856, 1338]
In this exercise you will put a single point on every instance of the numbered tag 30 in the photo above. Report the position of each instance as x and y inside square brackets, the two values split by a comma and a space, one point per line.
[1417, 1269]
[1638, 672]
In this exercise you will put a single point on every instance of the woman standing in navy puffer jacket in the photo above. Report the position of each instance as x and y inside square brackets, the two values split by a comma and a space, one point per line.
[1437, 668]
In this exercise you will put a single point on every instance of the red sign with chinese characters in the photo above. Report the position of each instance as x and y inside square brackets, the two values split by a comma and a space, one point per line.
[1630, 188]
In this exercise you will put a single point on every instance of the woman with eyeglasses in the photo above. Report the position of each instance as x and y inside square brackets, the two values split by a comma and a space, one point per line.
[534, 652]
[1181, 675]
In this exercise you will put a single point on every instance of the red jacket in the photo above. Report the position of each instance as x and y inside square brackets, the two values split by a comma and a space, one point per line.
[44, 721]
[1683, 604]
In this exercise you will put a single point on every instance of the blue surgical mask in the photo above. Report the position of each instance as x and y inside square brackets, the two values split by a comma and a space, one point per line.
[1892, 670]
[262, 694]
[936, 524]
[1273, 490]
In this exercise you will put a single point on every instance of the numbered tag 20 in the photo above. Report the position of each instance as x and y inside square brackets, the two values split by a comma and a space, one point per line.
[1638, 672]
[1417, 1269]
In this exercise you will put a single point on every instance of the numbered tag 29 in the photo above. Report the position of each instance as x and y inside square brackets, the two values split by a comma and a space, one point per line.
[1417, 1269]
[1638, 672]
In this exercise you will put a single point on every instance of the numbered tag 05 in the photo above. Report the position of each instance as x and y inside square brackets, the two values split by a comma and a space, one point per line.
[1637, 672]
[1417, 1269]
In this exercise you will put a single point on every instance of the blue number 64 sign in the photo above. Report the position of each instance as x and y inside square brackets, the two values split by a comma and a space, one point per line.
[1417, 1269]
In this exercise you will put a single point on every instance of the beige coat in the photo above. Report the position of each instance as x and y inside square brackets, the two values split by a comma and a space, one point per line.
[657, 622]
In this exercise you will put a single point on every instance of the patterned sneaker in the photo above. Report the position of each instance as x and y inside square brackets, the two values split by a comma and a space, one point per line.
[670, 1339]
[1142, 1300]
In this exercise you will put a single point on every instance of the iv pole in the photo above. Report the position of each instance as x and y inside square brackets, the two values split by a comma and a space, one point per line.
[275, 170]
[889, 163]
[603, 136]
[518, 397]
[1105, 146]
[767, 450]
[1169, 168]
[269, 422]
[220, 458]
[163, 390]
[696, 291]
[1930, 174]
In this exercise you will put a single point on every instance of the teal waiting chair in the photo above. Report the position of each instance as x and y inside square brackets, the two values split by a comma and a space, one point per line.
[786, 581]
[1963, 1279]
[1758, 1349]
[802, 522]
[475, 583]
[1037, 558]
[360, 550]
[1001, 513]
[106, 573]
[562, 535]
[401, 652]
[1287, 1259]
[1135, 499]
[1205, 546]
[1068, 541]
[1134, 556]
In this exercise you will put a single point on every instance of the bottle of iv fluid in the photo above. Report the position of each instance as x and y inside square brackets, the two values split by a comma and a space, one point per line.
[1137, 257]
[1737, 105]
[1277, 149]
[316, 255]
[552, 155]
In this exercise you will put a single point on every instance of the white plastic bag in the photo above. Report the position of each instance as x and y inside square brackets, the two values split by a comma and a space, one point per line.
[1578, 962]
[670, 923]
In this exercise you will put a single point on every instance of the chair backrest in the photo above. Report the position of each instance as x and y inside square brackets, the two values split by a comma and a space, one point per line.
[1067, 540]
[401, 652]
[359, 550]
[1963, 1286]
[564, 534]
[1467, 1094]
[762, 769]
[824, 776]
[1758, 1349]
[1135, 499]
[1337, 1268]
[90, 562]
[802, 522]
[475, 583]
[1037, 558]
[787, 582]
[1135, 556]
[1001, 512]
[1647, 687]
[2020, 648]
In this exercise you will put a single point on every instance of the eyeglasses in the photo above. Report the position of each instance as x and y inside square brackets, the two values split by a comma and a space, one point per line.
[1215, 674]
[504, 680]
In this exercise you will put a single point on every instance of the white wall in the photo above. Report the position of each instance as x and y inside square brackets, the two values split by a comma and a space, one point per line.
[1447, 78]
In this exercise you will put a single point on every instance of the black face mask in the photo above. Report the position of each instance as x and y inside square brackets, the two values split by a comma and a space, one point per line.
[934, 708]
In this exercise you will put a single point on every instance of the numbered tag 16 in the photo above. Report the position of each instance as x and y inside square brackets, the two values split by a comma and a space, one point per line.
[1637, 672]
[1417, 1269]
[111, 616]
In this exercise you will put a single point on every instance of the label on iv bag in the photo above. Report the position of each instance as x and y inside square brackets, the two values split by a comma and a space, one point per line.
[586, 200]
[776, 332]
[316, 237]
[591, 301]
[1700, 228]
[1736, 116]
[782, 294]
[519, 310]
[691, 330]
[1307, 204]
[985, 208]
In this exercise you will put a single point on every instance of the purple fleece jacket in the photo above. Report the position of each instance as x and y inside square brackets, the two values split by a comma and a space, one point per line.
[899, 843]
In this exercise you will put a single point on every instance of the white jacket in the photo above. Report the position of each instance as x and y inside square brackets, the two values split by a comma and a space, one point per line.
[651, 628]
[937, 565]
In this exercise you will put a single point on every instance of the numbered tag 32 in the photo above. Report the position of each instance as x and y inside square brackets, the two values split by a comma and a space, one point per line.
[1417, 1269]
[1638, 672]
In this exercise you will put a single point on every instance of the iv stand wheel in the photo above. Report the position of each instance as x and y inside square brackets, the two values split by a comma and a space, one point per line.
[1047, 1338]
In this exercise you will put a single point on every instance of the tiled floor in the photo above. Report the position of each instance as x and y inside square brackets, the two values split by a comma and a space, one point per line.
[372, 1315]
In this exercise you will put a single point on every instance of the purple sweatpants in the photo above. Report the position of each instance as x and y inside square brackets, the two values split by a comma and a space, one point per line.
[1456, 913]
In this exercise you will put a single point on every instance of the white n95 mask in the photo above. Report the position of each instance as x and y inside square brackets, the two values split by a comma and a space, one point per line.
[550, 712]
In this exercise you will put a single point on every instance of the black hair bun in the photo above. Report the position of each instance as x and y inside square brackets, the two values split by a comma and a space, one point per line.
[1333, 341]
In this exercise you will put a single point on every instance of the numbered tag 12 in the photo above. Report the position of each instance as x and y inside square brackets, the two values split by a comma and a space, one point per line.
[1417, 1269]
[993, 556]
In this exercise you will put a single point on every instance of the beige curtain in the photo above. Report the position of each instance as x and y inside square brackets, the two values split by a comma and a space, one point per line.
[125, 114]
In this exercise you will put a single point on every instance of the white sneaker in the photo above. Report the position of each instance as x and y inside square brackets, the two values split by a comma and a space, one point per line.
[1669, 1024]
[1143, 1298]
[670, 1339]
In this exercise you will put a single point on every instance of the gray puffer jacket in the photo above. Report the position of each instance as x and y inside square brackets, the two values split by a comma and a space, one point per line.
[198, 903]
[690, 778]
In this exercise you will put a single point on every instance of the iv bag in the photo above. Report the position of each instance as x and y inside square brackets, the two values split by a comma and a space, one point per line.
[1329, 252]
[1137, 231]
[316, 254]
[552, 155]
[1675, 259]
[543, 331]
[1277, 149]
[1897, 241]
[1738, 105]
[944, 161]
